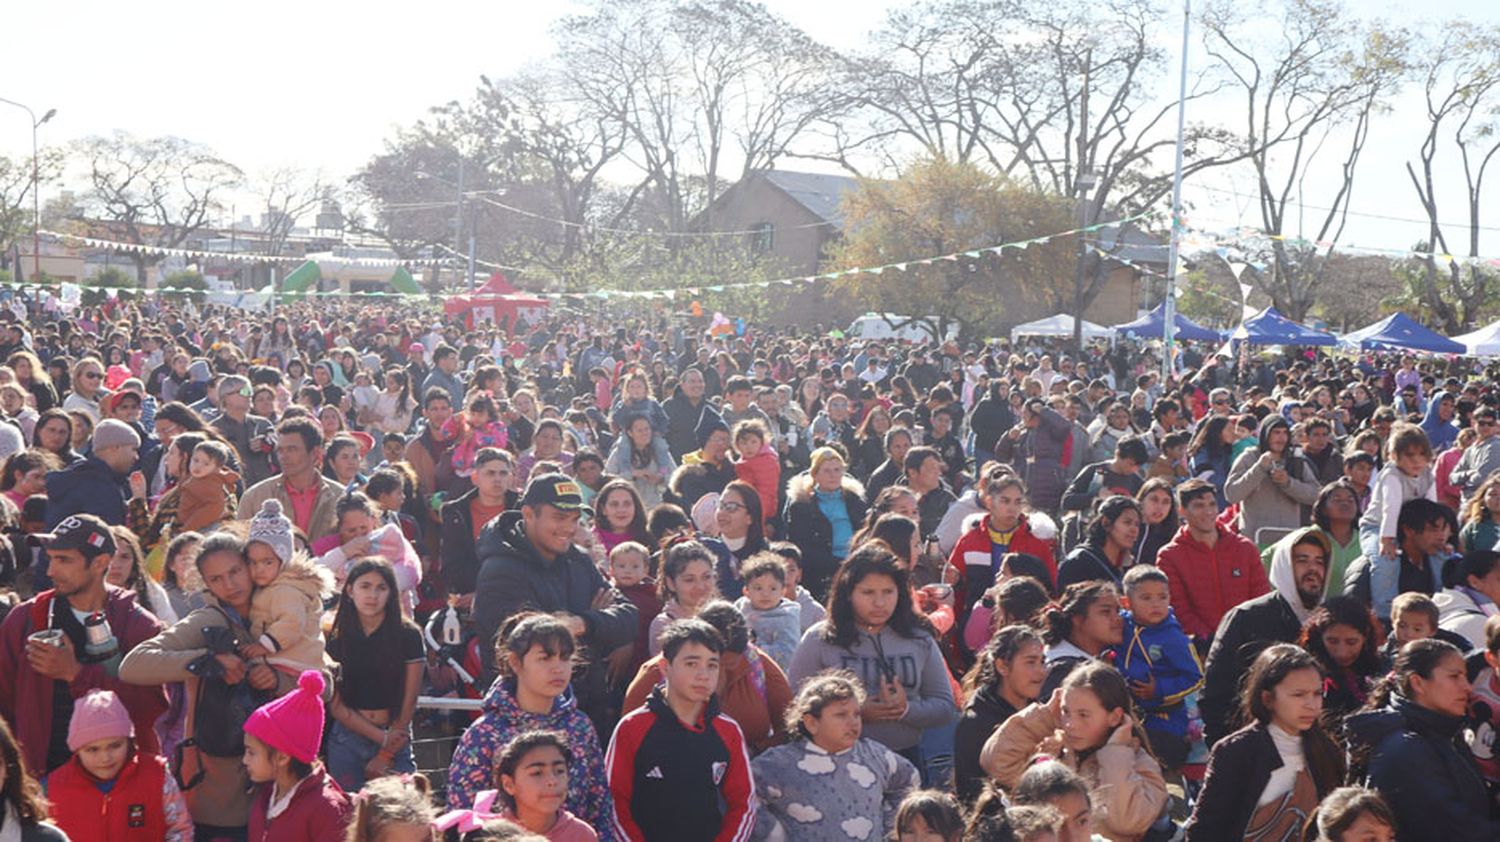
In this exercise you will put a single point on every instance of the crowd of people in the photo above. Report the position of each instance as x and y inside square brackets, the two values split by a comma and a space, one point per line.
[707, 585]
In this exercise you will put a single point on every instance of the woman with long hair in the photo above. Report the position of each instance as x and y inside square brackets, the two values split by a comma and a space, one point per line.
[1266, 779]
[686, 583]
[902, 536]
[54, 433]
[88, 388]
[619, 515]
[1345, 638]
[1105, 553]
[1481, 516]
[127, 569]
[871, 627]
[741, 535]
[1006, 677]
[180, 577]
[635, 457]
[1408, 741]
[1210, 453]
[1083, 624]
[23, 808]
[1159, 520]
[547, 445]
[25, 474]
[869, 442]
[31, 375]
[381, 662]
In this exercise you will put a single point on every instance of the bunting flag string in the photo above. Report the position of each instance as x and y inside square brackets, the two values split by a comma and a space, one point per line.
[231, 256]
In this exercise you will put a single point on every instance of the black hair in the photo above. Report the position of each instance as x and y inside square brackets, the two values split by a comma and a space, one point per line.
[1073, 604]
[1417, 658]
[384, 481]
[1346, 805]
[348, 640]
[1325, 760]
[675, 559]
[938, 810]
[680, 633]
[818, 692]
[310, 431]
[840, 627]
[1047, 781]
[510, 757]
[1111, 510]
[1132, 448]
[1004, 645]
[1477, 563]
[435, 393]
[531, 628]
[1419, 513]
[728, 622]
[764, 563]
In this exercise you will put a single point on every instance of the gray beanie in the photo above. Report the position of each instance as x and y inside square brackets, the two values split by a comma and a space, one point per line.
[272, 528]
[112, 433]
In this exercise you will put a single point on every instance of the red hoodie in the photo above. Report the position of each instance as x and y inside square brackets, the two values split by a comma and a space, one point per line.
[1207, 582]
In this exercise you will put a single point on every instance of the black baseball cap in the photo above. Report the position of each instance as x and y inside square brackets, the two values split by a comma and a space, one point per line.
[554, 490]
[79, 532]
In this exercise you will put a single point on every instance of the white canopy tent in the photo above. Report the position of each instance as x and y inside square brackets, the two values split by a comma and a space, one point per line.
[1060, 325]
[1484, 342]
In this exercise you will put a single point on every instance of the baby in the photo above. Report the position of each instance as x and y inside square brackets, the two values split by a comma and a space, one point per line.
[287, 608]
[207, 495]
[775, 620]
[629, 569]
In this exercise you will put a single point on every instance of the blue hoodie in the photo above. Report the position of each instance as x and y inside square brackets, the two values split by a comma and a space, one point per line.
[1163, 652]
[1440, 433]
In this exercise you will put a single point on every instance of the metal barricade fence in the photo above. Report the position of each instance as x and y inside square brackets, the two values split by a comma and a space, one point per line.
[436, 729]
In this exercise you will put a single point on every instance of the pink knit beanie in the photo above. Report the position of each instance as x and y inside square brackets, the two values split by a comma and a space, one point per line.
[98, 716]
[292, 724]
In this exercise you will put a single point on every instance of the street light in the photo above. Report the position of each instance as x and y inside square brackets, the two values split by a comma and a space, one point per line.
[458, 221]
[36, 186]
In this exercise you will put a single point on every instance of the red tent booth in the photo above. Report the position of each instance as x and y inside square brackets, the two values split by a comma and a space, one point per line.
[496, 302]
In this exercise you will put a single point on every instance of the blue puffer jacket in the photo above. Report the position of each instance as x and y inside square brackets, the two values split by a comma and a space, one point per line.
[89, 486]
[1163, 652]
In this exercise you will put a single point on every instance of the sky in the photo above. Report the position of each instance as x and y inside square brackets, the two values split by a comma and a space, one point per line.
[322, 85]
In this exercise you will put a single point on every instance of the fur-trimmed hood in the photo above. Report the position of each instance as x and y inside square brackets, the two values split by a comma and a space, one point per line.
[799, 489]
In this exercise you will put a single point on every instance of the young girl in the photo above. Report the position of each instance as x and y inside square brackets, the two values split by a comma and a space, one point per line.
[629, 572]
[758, 463]
[287, 608]
[1346, 640]
[1355, 814]
[297, 800]
[206, 495]
[829, 766]
[1481, 529]
[535, 658]
[25, 474]
[1087, 725]
[686, 583]
[532, 776]
[619, 515]
[1083, 623]
[928, 815]
[381, 657]
[1407, 475]
[478, 426]
[1006, 678]
[637, 402]
[393, 810]
[1268, 776]
[110, 791]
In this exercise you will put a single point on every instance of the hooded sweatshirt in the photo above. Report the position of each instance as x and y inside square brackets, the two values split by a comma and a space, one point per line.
[916, 663]
[1283, 580]
[472, 768]
[1162, 652]
[1263, 503]
[1441, 434]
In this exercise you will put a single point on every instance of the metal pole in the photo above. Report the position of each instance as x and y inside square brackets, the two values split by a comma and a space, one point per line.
[458, 221]
[472, 286]
[1169, 312]
[36, 185]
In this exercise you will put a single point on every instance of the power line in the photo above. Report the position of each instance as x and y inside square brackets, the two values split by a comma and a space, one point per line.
[637, 233]
[1382, 216]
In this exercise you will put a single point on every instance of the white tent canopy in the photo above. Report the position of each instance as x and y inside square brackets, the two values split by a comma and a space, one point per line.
[1060, 325]
[1484, 342]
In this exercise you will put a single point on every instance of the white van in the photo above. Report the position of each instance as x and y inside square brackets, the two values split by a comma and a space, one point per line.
[879, 326]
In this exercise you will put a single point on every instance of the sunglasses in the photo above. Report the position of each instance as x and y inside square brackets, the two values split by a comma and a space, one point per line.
[91, 375]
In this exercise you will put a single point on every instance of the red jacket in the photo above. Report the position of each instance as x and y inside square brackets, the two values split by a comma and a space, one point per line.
[29, 694]
[762, 470]
[1207, 582]
[974, 549]
[132, 810]
[319, 812]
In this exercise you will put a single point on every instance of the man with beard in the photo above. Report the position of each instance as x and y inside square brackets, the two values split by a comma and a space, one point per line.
[1298, 571]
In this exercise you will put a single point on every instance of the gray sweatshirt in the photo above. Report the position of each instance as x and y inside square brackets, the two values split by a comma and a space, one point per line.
[916, 662]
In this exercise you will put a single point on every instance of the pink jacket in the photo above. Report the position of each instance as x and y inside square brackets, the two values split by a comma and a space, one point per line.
[24, 692]
[762, 470]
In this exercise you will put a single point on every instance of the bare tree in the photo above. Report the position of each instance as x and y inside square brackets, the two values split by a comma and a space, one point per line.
[16, 198]
[1310, 81]
[1460, 72]
[152, 191]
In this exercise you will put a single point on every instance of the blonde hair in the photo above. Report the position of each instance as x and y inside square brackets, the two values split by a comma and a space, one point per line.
[388, 801]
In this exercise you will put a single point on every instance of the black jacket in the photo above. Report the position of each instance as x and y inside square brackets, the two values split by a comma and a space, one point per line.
[459, 550]
[1238, 770]
[1420, 763]
[1244, 632]
[514, 577]
[682, 423]
[810, 530]
[691, 482]
[989, 421]
[89, 486]
[983, 713]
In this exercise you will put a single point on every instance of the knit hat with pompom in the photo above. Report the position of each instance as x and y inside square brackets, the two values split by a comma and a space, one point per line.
[272, 528]
[292, 724]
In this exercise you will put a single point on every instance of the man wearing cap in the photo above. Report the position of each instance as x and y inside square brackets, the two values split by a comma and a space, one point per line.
[250, 434]
[706, 470]
[40, 679]
[528, 562]
[100, 484]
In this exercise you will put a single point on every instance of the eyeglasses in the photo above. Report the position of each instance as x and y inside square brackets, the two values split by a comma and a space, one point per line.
[91, 375]
[731, 506]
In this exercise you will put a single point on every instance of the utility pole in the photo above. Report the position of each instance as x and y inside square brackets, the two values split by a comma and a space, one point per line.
[36, 186]
[1083, 182]
[1169, 312]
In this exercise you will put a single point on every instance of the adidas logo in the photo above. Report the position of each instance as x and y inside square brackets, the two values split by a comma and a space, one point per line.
[655, 773]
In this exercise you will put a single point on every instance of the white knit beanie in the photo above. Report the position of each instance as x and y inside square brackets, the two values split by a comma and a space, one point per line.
[272, 528]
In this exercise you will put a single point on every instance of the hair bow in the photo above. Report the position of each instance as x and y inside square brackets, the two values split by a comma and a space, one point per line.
[467, 821]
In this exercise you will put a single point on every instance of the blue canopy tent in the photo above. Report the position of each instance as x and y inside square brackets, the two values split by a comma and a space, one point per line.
[1150, 326]
[1400, 332]
[1269, 327]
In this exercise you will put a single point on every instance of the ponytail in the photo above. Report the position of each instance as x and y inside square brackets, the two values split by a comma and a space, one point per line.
[1074, 603]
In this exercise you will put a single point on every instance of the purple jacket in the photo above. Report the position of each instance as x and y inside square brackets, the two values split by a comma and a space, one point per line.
[24, 691]
[472, 768]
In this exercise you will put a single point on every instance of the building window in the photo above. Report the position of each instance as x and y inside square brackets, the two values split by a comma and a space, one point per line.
[762, 237]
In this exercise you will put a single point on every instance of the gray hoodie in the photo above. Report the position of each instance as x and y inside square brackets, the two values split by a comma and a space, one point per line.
[916, 662]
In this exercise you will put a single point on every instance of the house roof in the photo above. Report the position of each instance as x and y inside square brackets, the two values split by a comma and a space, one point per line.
[820, 193]
[1129, 243]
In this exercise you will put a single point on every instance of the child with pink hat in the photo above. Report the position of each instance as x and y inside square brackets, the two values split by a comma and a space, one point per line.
[297, 799]
[114, 792]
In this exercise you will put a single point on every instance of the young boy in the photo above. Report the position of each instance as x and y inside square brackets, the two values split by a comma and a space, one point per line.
[629, 565]
[207, 495]
[1414, 616]
[775, 620]
[791, 560]
[945, 441]
[1359, 469]
[677, 768]
[393, 448]
[1484, 707]
[1169, 464]
[1159, 662]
